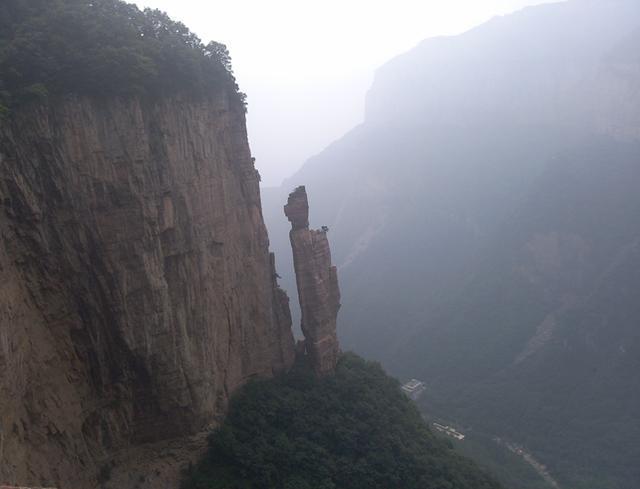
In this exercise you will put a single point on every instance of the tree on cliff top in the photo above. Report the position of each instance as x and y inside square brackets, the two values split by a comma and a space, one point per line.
[103, 48]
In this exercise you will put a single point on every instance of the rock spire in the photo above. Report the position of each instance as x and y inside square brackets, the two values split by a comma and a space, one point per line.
[317, 282]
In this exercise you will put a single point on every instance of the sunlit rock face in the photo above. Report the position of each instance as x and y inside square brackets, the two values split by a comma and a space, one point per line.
[317, 282]
[138, 292]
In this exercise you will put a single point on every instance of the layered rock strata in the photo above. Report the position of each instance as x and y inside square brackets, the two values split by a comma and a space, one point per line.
[137, 288]
[317, 282]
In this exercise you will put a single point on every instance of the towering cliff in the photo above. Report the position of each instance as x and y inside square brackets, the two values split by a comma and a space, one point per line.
[317, 281]
[138, 291]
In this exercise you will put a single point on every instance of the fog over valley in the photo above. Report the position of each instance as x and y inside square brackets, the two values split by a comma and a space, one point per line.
[344, 245]
[306, 67]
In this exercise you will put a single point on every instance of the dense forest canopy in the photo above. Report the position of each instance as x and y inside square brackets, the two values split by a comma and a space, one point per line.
[353, 430]
[102, 48]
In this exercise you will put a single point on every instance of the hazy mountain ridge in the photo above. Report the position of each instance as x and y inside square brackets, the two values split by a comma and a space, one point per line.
[484, 218]
[542, 77]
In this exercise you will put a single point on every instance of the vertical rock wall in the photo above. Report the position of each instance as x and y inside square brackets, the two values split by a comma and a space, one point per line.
[317, 282]
[137, 288]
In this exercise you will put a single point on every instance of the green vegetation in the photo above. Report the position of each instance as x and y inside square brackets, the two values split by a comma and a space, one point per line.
[349, 431]
[102, 48]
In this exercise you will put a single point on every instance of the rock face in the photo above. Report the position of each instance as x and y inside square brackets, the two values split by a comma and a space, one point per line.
[317, 282]
[137, 287]
[11, 487]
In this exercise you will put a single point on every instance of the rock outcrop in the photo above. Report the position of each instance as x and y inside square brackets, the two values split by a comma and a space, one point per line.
[137, 287]
[317, 282]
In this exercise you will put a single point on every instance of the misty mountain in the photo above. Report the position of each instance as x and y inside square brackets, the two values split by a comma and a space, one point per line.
[484, 218]
[140, 313]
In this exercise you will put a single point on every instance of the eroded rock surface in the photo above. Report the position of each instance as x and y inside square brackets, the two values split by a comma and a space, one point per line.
[11, 487]
[317, 282]
[137, 288]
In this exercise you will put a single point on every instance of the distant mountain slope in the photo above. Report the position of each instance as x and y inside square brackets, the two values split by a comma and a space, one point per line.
[542, 344]
[484, 218]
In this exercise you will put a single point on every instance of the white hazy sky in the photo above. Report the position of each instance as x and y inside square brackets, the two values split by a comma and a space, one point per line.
[306, 66]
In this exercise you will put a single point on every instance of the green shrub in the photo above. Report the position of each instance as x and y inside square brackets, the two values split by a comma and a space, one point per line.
[103, 48]
[353, 430]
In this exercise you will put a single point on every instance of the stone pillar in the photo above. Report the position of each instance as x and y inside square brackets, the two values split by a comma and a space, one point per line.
[317, 282]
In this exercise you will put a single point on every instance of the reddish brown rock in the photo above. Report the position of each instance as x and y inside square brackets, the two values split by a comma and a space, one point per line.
[317, 282]
[13, 487]
[297, 209]
[137, 291]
